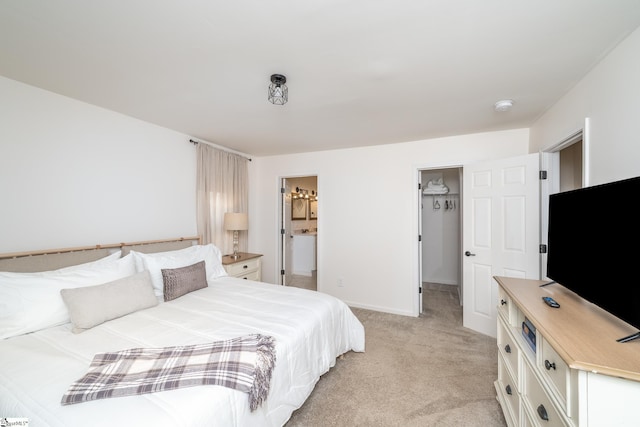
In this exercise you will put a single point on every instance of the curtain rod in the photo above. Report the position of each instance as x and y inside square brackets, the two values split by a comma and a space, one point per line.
[219, 147]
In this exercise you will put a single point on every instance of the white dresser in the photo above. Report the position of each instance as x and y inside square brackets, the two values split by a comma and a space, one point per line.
[246, 266]
[578, 375]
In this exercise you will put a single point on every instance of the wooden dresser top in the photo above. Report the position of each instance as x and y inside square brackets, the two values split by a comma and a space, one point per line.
[583, 334]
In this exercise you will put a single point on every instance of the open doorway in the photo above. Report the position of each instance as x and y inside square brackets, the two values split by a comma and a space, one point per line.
[299, 231]
[498, 202]
[441, 226]
[566, 167]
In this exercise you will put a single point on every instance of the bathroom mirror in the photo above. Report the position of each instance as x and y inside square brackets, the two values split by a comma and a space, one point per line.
[298, 209]
[313, 209]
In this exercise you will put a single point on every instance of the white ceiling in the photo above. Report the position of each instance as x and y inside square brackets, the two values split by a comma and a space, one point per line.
[360, 72]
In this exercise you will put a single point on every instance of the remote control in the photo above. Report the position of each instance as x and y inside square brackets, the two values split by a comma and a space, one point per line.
[550, 302]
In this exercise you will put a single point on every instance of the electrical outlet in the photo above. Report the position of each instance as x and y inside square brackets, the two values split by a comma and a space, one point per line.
[340, 282]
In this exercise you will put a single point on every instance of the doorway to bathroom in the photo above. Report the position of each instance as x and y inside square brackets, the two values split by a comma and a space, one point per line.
[441, 225]
[299, 232]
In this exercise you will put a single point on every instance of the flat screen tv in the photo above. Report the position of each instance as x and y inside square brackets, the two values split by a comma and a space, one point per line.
[593, 233]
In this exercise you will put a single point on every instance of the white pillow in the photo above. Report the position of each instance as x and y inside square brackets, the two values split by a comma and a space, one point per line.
[155, 262]
[31, 301]
[94, 264]
[97, 264]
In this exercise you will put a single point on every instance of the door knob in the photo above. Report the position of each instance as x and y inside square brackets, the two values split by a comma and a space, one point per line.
[467, 253]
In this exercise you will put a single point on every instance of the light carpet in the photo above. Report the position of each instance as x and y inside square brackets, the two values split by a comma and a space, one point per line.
[425, 371]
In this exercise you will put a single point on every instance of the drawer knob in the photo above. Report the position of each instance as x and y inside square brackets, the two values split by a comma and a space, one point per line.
[503, 302]
[508, 390]
[549, 365]
[542, 412]
[507, 348]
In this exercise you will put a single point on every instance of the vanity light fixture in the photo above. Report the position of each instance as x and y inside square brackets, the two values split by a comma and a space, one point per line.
[278, 91]
[301, 193]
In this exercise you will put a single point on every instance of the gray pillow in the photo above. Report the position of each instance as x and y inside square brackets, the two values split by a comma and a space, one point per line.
[93, 305]
[181, 281]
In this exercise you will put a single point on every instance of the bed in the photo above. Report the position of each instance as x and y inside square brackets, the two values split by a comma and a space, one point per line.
[40, 359]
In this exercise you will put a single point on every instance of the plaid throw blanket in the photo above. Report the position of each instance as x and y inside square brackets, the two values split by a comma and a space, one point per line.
[243, 363]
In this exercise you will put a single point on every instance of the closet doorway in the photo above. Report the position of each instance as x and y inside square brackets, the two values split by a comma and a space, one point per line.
[441, 234]
[299, 232]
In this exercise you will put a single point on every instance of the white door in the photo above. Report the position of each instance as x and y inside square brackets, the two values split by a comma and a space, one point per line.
[285, 234]
[500, 233]
[420, 204]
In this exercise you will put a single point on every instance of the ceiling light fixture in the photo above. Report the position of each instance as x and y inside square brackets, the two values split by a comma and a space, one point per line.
[503, 105]
[278, 91]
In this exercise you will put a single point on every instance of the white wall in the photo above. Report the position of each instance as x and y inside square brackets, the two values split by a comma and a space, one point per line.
[610, 97]
[72, 174]
[368, 215]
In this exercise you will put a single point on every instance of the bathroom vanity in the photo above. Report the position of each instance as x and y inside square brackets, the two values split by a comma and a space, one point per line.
[304, 253]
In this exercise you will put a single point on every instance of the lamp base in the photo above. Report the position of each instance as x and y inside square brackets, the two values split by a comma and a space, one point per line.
[235, 254]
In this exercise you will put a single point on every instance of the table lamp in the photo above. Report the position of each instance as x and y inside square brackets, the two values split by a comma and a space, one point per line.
[235, 222]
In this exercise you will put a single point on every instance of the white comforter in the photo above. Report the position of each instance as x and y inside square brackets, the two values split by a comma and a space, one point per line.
[311, 329]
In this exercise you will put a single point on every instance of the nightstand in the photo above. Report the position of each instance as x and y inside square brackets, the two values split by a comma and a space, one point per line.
[247, 266]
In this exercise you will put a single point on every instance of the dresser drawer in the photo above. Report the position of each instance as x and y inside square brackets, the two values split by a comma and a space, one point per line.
[505, 307]
[508, 349]
[254, 275]
[242, 268]
[556, 372]
[526, 420]
[543, 411]
[508, 389]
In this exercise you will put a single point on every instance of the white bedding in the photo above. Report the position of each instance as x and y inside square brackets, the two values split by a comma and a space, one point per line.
[311, 329]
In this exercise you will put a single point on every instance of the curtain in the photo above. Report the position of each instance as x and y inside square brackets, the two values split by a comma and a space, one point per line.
[221, 187]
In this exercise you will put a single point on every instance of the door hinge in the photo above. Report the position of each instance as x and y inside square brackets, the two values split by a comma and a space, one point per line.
[543, 249]
[282, 231]
[419, 289]
[282, 272]
[419, 186]
[419, 238]
[282, 190]
[543, 175]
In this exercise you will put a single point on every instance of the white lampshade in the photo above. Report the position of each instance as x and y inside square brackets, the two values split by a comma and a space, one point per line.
[236, 221]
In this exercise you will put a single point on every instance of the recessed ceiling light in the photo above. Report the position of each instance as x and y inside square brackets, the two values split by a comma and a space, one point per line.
[503, 105]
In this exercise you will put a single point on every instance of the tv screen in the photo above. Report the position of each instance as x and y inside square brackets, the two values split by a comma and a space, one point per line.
[593, 233]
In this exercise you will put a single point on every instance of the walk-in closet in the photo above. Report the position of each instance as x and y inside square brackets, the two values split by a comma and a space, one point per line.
[441, 231]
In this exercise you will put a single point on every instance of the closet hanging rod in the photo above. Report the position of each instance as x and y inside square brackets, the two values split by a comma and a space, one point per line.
[219, 147]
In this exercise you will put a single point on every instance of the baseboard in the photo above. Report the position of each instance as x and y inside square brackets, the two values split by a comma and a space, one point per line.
[302, 273]
[380, 309]
[440, 281]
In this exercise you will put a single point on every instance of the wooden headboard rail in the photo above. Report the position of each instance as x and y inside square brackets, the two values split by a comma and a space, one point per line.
[89, 248]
